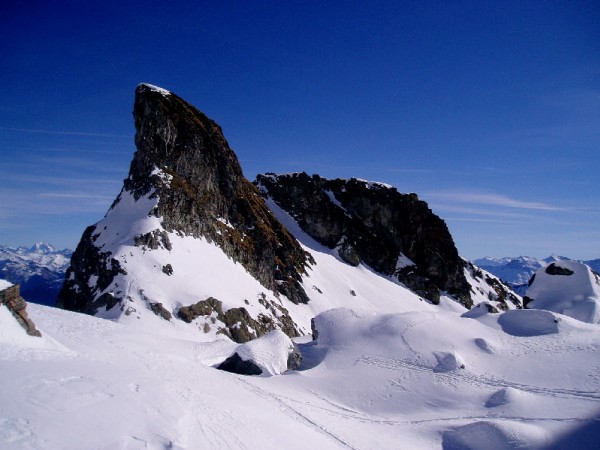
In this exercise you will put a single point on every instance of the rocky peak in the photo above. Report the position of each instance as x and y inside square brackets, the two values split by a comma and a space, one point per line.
[193, 185]
[395, 234]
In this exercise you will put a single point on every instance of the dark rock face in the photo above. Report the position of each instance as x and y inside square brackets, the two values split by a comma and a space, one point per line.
[235, 364]
[294, 360]
[184, 161]
[207, 195]
[376, 224]
[11, 297]
[77, 293]
[553, 269]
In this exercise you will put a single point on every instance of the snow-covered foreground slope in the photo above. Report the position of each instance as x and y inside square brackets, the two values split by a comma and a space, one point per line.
[422, 379]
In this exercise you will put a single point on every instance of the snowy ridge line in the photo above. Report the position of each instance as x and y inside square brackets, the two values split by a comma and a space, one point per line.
[290, 411]
[396, 364]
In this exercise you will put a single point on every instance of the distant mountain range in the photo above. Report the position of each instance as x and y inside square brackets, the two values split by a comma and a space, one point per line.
[517, 271]
[40, 270]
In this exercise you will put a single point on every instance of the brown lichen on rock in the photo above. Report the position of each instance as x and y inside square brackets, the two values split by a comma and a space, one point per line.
[240, 326]
[11, 297]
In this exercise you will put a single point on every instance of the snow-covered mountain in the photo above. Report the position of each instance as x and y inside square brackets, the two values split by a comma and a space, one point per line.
[39, 270]
[201, 274]
[190, 241]
[517, 271]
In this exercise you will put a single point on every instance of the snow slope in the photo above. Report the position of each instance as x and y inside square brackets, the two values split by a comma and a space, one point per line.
[200, 269]
[413, 380]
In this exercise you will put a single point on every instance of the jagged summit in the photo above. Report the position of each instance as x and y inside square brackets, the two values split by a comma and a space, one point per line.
[154, 88]
[395, 234]
[184, 181]
[189, 240]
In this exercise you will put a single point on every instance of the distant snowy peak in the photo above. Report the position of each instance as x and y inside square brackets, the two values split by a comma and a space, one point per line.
[517, 271]
[39, 269]
[566, 287]
[41, 254]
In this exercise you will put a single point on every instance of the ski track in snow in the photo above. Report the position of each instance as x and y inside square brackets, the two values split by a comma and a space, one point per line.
[290, 411]
[479, 380]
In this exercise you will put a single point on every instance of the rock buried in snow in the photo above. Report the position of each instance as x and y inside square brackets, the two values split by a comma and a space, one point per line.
[271, 354]
[528, 322]
[483, 345]
[448, 361]
[481, 309]
[566, 287]
[506, 396]
[488, 435]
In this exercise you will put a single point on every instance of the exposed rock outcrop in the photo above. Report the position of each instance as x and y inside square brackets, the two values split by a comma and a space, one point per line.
[492, 289]
[235, 364]
[11, 297]
[395, 234]
[237, 323]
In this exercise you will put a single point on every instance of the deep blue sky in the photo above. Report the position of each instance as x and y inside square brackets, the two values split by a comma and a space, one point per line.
[490, 111]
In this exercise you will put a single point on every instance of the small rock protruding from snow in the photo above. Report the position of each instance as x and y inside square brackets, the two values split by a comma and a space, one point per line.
[448, 361]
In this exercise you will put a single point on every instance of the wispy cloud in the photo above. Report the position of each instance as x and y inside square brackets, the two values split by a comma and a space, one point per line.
[64, 132]
[75, 195]
[490, 199]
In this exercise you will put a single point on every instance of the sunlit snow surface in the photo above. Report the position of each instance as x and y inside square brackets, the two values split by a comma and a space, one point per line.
[411, 380]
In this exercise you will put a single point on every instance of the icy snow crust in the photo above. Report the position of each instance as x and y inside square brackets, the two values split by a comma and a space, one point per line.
[576, 295]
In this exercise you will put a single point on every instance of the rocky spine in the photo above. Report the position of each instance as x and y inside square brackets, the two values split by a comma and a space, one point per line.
[395, 234]
[184, 164]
